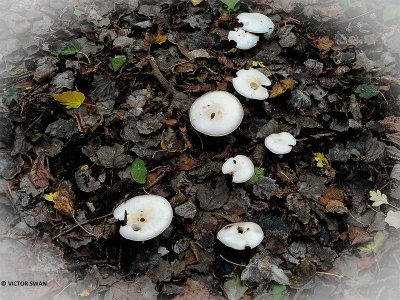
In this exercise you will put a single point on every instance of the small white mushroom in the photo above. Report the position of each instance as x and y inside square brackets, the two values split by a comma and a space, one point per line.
[244, 40]
[216, 113]
[250, 84]
[240, 167]
[146, 217]
[256, 23]
[241, 235]
[280, 143]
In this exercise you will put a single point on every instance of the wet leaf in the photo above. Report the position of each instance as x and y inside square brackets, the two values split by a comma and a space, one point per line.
[160, 37]
[275, 293]
[39, 174]
[258, 174]
[63, 199]
[117, 62]
[377, 198]
[234, 288]
[113, 156]
[393, 218]
[231, 5]
[321, 160]
[71, 99]
[333, 200]
[73, 48]
[139, 171]
[367, 91]
[36, 137]
[140, 288]
[323, 43]
[194, 290]
[196, 2]
[281, 87]
[375, 245]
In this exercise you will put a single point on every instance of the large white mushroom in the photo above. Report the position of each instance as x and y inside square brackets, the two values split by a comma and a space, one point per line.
[256, 23]
[240, 167]
[216, 113]
[146, 217]
[241, 235]
[280, 143]
[250, 84]
[244, 40]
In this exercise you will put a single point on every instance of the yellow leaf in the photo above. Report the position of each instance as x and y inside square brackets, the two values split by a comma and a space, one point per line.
[196, 2]
[63, 199]
[257, 63]
[160, 37]
[71, 99]
[282, 86]
[322, 161]
[50, 196]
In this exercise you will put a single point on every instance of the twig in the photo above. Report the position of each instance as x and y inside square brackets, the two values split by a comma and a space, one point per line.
[78, 225]
[233, 263]
[157, 73]
[330, 274]
[82, 226]
[92, 262]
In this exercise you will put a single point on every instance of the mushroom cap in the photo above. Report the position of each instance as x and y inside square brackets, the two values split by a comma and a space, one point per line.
[147, 217]
[244, 40]
[280, 143]
[256, 23]
[250, 84]
[241, 235]
[240, 167]
[216, 113]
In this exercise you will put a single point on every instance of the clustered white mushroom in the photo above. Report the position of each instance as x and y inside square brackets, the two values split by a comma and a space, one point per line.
[250, 84]
[252, 23]
[240, 167]
[146, 217]
[241, 235]
[280, 143]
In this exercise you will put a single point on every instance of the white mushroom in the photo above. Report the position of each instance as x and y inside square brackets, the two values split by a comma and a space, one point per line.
[146, 217]
[244, 40]
[256, 23]
[250, 84]
[280, 143]
[241, 235]
[216, 113]
[240, 167]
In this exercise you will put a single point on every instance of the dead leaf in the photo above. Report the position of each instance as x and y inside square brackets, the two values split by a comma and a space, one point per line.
[393, 218]
[196, 2]
[281, 87]
[71, 99]
[186, 162]
[358, 235]
[392, 123]
[333, 200]
[155, 175]
[39, 174]
[63, 199]
[194, 290]
[324, 43]
[155, 38]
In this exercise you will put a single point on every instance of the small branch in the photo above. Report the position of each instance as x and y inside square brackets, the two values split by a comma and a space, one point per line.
[233, 263]
[80, 225]
[93, 262]
[330, 274]
[157, 73]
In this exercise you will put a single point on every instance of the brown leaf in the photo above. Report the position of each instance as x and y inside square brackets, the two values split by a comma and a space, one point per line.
[155, 175]
[282, 86]
[155, 38]
[324, 43]
[392, 123]
[333, 200]
[194, 290]
[39, 174]
[358, 235]
[186, 162]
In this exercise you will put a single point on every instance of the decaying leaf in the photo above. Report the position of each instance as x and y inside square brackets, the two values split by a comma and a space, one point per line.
[39, 174]
[393, 218]
[322, 161]
[324, 43]
[63, 199]
[155, 38]
[186, 162]
[375, 245]
[333, 200]
[234, 288]
[196, 2]
[71, 99]
[282, 86]
[367, 91]
[377, 198]
[257, 63]
[194, 290]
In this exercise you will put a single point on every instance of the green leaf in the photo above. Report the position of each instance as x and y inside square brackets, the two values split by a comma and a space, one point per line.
[273, 293]
[258, 174]
[71, 99]
[11, 95]
[118, 61]
[139, 171]
[391, 12]
[200, 77]
[234, 288]
[367, 91]
[36, 137]
[73, 48]
[231, 5]
[375, 245]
